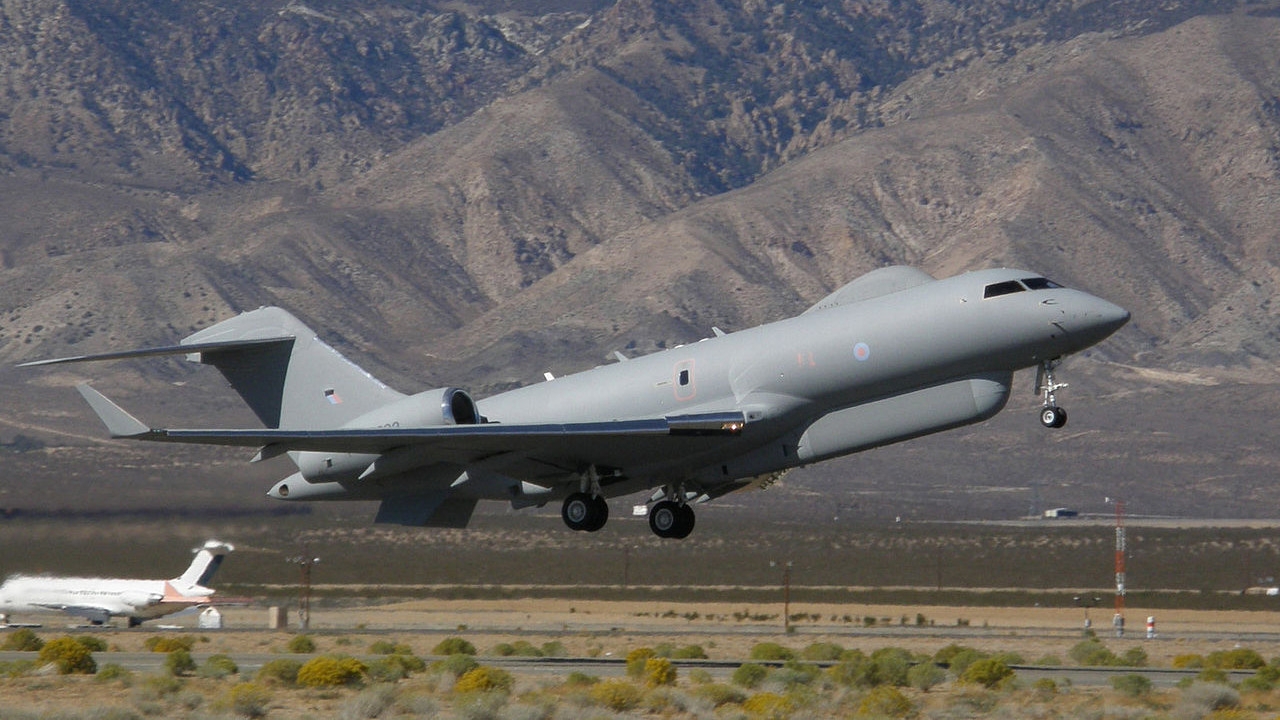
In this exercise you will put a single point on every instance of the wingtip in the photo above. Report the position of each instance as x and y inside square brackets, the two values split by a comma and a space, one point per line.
[120, 424]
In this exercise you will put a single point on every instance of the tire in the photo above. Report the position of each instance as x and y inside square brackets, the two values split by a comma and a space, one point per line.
[577, 511]
[664, 519]
[1062, 418]
[598, 516]
[1049, 416]
[687, 520]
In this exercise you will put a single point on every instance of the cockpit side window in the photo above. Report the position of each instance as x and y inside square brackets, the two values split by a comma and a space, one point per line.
[1002, 288]
[1039, 283]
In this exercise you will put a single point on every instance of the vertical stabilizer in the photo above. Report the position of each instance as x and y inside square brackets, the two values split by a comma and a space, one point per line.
[291, 380]
[204, 565]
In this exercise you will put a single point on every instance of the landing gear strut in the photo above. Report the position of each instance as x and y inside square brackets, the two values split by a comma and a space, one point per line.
[1051, 416]
[584, 512]
[669, 519]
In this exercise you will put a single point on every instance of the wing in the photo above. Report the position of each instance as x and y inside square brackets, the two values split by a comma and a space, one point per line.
[88, 612]
[615, 442]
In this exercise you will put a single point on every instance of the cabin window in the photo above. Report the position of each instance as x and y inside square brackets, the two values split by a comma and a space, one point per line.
[1039, 283]
[1007, 287]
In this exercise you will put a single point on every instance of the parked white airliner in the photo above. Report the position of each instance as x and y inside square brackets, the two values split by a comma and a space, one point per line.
[100, 599]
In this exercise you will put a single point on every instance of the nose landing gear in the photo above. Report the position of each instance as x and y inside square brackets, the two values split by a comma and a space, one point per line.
[1051, 416]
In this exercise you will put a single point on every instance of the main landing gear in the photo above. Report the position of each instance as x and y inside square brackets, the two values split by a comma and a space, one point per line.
[1051, 416]
[585, 512]
[670, 519]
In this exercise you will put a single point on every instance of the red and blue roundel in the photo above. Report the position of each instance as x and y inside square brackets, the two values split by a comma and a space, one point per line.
[861, 352]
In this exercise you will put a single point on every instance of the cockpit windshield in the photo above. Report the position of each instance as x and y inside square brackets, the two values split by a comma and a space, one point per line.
[1008, 287]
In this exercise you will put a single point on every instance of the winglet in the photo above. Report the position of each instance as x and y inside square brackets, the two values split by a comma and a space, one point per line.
[119, 423]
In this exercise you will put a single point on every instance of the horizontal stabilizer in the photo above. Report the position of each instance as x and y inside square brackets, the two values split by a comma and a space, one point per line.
[119, 423]
[166, 350]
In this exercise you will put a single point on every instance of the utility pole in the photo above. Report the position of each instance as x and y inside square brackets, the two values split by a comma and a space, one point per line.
[304, 563]
[1120, 572]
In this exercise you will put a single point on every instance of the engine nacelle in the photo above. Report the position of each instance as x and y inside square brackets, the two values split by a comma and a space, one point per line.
[430, 408]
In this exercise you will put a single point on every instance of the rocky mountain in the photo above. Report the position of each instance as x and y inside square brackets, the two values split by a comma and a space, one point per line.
[473, 193]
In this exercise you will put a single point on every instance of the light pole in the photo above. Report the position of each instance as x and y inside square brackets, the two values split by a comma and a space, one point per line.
[304, 563]
[786, 595]
[1086, 603]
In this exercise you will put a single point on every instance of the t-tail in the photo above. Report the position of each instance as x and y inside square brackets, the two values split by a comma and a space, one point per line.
[287, 375]
[206, 562]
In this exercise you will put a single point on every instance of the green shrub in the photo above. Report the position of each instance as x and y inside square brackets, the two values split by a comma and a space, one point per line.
[113, 671]
[397, 666]
[1235, 659]
[484, 679]
[989, 673]
[331, 671]
[1092, 653]
[178, 663]
[885, 701]
[659, 672]
[169, 643]
[95, 644]
[636, 660]
[301, 645]
[960, 661]
[822, 652]
[771, 651]
[925, 675]
[689, 652]
[719, 694]
[1045, 688]
[247, 699]
[1133, 657]
[580, 679]
[453, 646]
[616, 694]
[218, 666]
[891, 665]
[22, 640]
[386, 647]
[519, 648]
[455, 665]
[280, 670]
[554, 648]
[69, 656]
[1132, 685]
[1188, 661]
[750, 675]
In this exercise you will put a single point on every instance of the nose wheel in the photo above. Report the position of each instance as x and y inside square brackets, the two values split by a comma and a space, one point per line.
[1051, 416]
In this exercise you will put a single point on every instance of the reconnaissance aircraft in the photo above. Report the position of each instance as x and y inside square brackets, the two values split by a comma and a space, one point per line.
[99, 599]
[893, 355]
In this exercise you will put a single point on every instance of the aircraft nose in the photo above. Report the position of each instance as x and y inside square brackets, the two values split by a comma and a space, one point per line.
[1096, 319]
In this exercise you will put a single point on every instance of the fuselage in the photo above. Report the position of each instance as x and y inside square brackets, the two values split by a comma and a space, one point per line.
[788, 374]
[97, 599]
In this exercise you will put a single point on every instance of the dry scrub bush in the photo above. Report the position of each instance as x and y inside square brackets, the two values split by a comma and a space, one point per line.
[616, 694]
[771, 651]
[301, 645]
[885, 701]
[169, 643]
[69, 656]
[248, 699]
[636, 660]
[768, 705]
[750, 675]
[453, 646]
[484, 679]
[283, 671]
[659, 672]
[989, 673]
[22, 640]
[331, 671]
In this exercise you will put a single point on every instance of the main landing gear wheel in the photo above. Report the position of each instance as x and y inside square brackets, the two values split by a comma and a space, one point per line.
[1053, 417]
[584, 512]
[669, 519]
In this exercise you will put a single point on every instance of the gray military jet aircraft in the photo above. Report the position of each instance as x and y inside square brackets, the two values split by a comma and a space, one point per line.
[891, 356]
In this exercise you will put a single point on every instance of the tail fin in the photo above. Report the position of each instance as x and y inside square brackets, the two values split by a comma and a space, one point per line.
[205, 564]
[297, 382]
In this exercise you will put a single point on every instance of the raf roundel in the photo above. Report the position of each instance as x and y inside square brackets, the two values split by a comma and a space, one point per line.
[861, 352]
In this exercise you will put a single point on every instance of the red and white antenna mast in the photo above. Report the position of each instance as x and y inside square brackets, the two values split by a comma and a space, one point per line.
[1120, 552]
